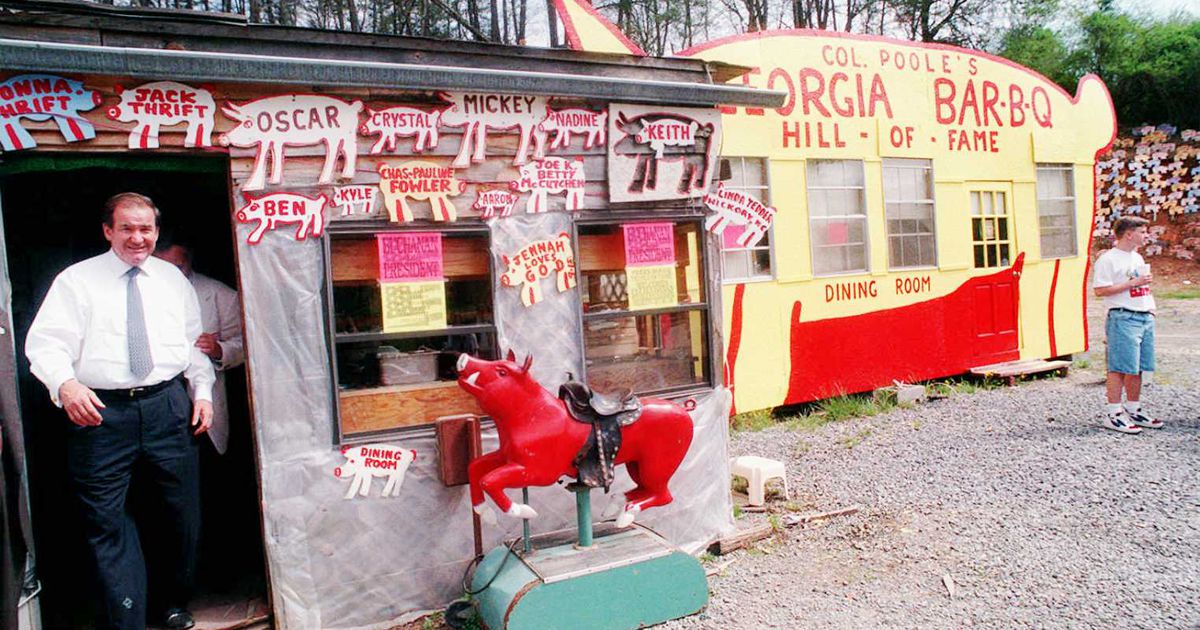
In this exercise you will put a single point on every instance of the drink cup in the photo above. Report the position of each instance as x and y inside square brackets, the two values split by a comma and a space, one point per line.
[1143, 270]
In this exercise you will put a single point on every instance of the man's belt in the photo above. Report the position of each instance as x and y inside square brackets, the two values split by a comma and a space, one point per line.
[138, 392]
[1129, 310]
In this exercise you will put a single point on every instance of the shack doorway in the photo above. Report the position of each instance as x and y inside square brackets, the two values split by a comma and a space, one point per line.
[52, 214]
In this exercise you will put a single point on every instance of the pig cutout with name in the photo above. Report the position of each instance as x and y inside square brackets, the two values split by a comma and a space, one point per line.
[551, 175]
[477, 113]
[364, 463]
[165, 104]
[736, 207]
[425, 181]
[657, 137]
[277, 122]
[357, 199]
[593, 126]
[393, 123]
[536, 261]
[40, 97]
[273, 209]
[495, 202]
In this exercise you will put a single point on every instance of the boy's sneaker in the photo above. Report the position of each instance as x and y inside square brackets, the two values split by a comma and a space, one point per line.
[1120, 422]
[1142, 420]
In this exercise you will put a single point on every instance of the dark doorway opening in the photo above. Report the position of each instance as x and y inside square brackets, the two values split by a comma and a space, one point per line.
[52, 215]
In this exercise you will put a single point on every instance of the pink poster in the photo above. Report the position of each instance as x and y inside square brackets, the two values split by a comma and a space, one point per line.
[410, 256]
[649, 244]
[729, 238]
[837, 233]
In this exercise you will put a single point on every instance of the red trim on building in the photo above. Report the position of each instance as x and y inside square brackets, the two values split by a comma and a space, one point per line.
[573, 33]
[1053, 287]
[735, 342]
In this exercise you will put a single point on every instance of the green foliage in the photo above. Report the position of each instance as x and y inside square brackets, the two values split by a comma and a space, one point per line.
[1183, 293]
[857, 438]
[753, 420]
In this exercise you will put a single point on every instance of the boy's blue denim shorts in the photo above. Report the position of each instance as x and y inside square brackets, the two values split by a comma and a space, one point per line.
[1130, 341]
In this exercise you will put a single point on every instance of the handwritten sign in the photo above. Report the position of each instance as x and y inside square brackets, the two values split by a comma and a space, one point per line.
[494, 202]
[507, 113]
[551, 176]
[651, 286]
[565, 122]
[657, 154]
[739, 208]
[539, 260]
[364, 463]
[358, 199]
[423, 181]
[273, 209]
[42, 97]
[165, 104]
[413, 306]
[274, 123]
[649, 244]
[388, 125]
[410, 256]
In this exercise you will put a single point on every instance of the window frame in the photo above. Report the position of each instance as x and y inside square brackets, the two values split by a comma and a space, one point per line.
[1010, 238]
[865, 216]
[707, 266]
[365, 229]
[1069, 170]
[765, 197]
[927, 166]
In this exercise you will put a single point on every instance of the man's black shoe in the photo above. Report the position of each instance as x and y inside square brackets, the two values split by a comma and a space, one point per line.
[178, 619]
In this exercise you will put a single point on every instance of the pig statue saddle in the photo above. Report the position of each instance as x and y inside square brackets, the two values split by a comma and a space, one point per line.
[606, 414]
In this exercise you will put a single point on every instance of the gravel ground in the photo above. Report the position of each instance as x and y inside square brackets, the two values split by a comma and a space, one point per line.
[1040, 518]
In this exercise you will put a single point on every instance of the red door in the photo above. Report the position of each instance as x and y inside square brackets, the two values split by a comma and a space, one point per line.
[994, 302]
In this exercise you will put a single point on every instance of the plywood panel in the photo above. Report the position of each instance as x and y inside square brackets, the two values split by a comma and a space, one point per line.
[402, 406]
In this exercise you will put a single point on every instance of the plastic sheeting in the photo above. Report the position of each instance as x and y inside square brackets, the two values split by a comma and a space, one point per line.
[374, 562]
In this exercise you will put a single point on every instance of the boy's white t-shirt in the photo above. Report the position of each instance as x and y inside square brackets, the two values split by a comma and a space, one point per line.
[1116, 266]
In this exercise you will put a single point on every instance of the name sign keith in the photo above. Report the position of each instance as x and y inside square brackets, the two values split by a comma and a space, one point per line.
[735, 207]
[536, 261]
[165, 104]
[657, 154]
[364, 463]
[422, 181]
[41, 97]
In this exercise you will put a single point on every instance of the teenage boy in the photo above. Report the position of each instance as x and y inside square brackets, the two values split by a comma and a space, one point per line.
[1122, 278]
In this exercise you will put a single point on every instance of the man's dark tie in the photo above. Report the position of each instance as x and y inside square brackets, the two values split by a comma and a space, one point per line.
[140, 361]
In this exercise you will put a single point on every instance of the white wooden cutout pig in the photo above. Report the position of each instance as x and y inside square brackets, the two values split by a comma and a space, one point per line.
[277, 122]
[593, 126]
[273, 209]
[364, 463]
[165, 104]
[477, 113]
[735, 207]
[393, 123]
[357, 199]
[551, 176]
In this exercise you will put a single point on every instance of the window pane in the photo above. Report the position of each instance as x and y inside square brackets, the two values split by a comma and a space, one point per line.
[976, 204]
[977, 229]
[762, 262]
[602, 266]
[987, 203]
[980, 261]
[1001, 203]
[1003, 229]
[992, 257]
[646, 353]
[755, 175]
[1004, 256]
[736, 264]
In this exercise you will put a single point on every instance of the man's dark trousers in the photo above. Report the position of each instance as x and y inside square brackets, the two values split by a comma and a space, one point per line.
[149, 433]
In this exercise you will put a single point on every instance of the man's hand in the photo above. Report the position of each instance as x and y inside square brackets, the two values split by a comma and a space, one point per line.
[81, 403]
[208, 344]
[1140, 281]
[202, 415]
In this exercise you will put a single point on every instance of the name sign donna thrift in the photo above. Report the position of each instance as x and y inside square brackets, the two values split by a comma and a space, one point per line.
[536, 261]
[272, 209]
[165, 104]
[364, 463]
[423, 181]
[296, 120]
[477, 113]
[40, 97]
[735, 207]
[551, 176]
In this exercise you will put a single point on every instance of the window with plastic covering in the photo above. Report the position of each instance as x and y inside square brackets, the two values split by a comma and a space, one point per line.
[1056, 210]
[645, 327]
[837, 216]
[395, 341]
[739, 264]
[908, 205]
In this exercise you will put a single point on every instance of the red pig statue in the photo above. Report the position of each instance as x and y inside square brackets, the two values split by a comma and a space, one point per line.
[541, 442]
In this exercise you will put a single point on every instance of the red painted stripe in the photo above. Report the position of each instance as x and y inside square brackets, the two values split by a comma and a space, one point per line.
[75, 130]
[144, 141]
[735, 341]
[12, 136]
[1053, 286]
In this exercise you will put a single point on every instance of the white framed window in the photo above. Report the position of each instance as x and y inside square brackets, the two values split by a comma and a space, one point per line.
[909, 209]
[837, 216]
[739, 264]
[990, 234]
[1056, 210]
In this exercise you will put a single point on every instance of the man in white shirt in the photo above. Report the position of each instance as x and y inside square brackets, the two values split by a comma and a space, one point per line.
[221, 341]
[113, 343]
[1123, 278]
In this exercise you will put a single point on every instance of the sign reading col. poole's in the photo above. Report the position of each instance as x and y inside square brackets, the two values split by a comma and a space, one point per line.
[40, 97]
[274, 123]
[656, 154]
[536, 261]
[165, 104]
[424, 181]
[736, 207]
[273, 209]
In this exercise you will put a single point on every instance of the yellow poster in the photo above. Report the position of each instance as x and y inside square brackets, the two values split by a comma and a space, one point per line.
[652, 286]
[412, 306]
